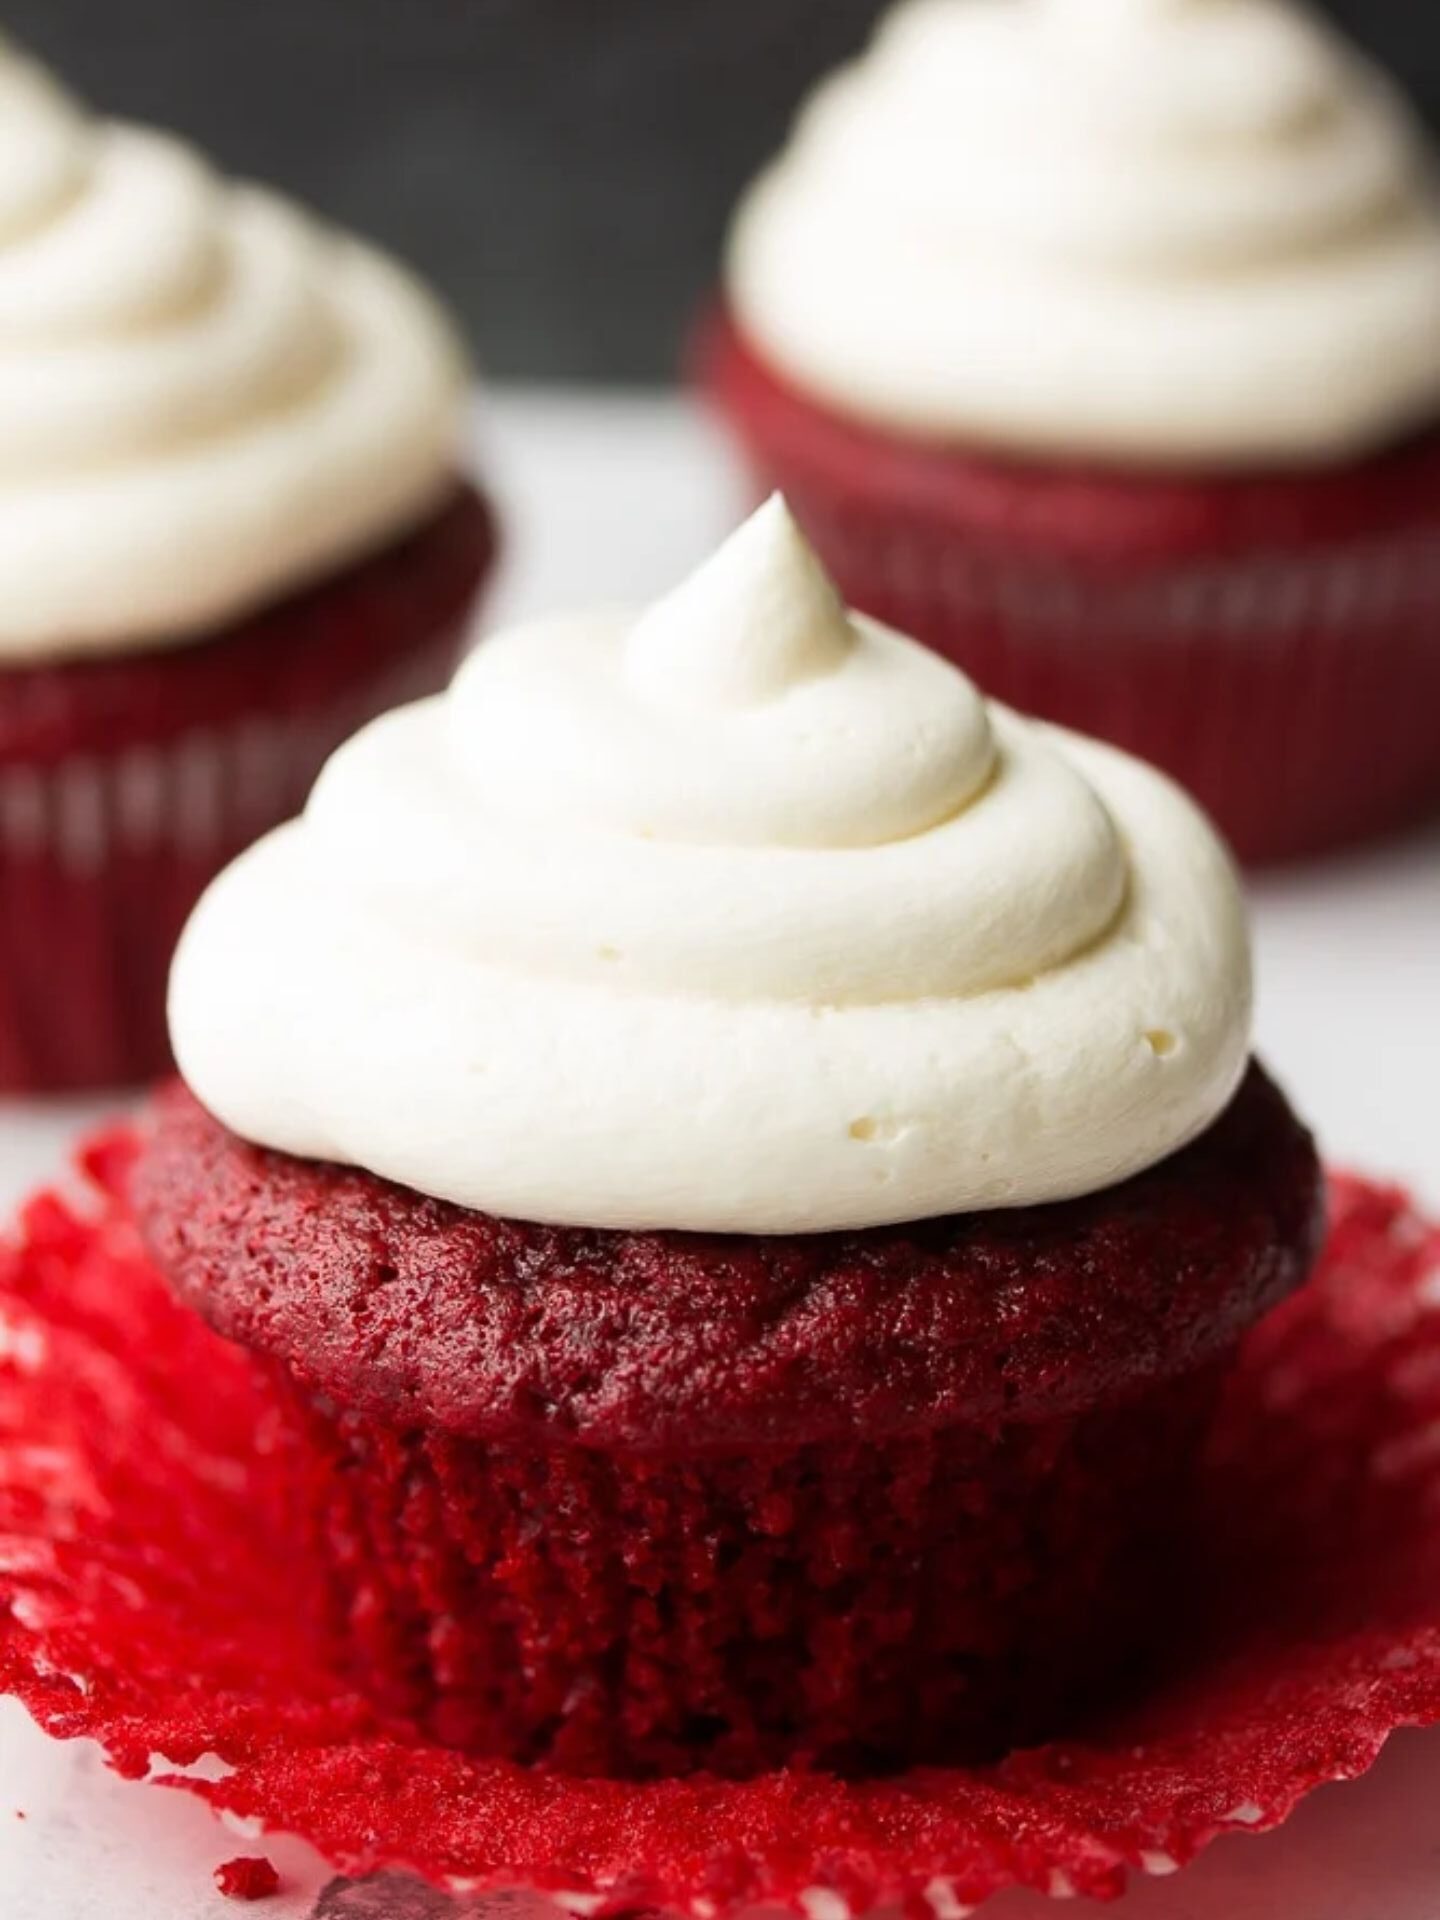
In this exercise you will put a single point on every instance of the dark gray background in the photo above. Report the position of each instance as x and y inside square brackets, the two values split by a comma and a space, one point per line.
[561, 168]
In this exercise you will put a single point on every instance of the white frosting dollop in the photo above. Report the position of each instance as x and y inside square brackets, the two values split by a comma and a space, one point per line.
[205, 398]
[1172, 231]
[748, 914]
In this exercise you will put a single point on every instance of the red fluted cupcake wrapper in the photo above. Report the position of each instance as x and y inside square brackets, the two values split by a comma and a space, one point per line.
[127, 784]
[158, 1597]
[1273, 643]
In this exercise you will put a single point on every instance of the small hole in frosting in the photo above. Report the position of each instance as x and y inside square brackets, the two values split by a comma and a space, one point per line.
[1161, 1042]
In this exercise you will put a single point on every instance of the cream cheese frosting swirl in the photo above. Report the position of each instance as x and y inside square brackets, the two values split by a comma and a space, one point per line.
[205, 398]
[748, 914]
[1162, 230]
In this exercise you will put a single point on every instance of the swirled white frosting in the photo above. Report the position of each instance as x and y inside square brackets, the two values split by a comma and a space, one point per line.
[205, 398]
[1163, 230]
[748, 914]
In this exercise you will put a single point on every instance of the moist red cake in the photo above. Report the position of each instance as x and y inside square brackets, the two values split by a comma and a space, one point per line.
[642, 1503]
[1269, 640]
[127, 781]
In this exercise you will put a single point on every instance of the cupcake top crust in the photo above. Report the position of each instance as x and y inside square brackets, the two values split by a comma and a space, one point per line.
[1160, 231]
[206, 399]
[745, 914]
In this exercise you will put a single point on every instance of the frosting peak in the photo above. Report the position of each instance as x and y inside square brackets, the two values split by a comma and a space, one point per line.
[746, 709]
[591, 940]
[1165, 230]
[760, 617]
[206, 400]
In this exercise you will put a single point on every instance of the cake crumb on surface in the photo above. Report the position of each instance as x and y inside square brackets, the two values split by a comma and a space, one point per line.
[247, 1879]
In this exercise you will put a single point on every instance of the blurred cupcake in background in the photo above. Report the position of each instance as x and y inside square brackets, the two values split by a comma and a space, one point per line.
[234, 525]
[1099, 344]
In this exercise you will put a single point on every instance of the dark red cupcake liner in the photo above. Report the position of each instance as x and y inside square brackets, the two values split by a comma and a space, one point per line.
[158, 1594]
[1274, 643]
[127, 783]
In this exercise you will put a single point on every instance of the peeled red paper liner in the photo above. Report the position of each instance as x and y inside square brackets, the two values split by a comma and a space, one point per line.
[157, 1597]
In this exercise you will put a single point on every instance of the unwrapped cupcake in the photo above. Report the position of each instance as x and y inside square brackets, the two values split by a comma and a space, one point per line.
[233, 526]
[1098, 344]
[743, 1162]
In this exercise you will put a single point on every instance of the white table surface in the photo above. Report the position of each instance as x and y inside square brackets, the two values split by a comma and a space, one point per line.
[610, 498]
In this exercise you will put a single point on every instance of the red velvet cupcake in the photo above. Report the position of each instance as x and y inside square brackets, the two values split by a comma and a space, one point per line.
[641, 1503]
[1118, 383]
[235, 527]
[742, 1164]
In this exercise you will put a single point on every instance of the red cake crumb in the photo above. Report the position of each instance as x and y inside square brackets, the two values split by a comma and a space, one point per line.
[247, 1879]
[144, 1510]
[431, 1315]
